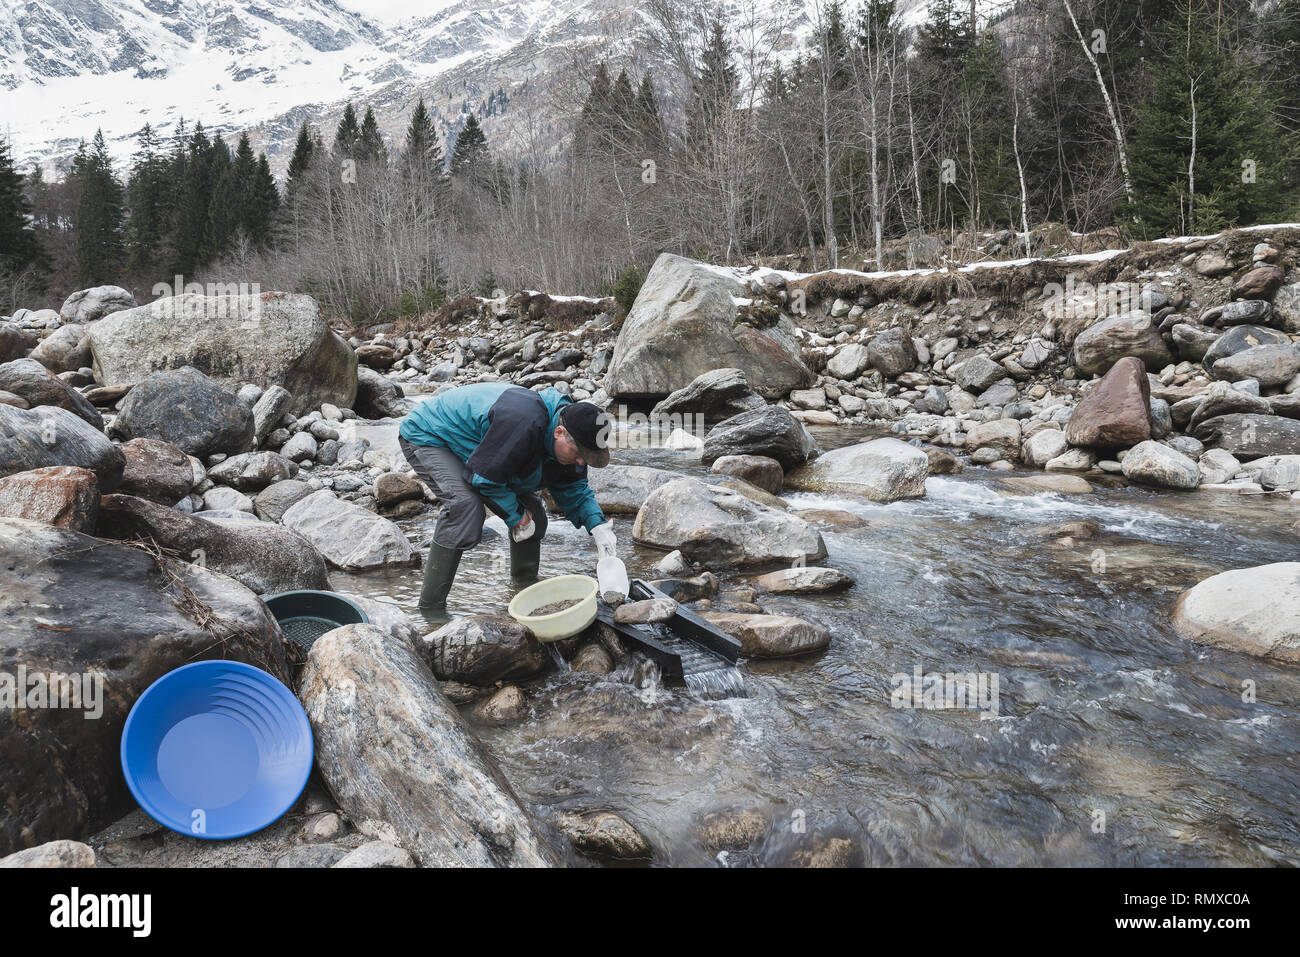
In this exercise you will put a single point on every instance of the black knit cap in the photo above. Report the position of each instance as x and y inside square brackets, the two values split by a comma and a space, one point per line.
[589, 427]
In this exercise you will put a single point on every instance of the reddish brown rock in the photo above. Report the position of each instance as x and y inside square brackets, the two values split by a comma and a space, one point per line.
[376, 356]
[1262, 282]
[758, 470]
[157, 471]
[60, 495]
[17, 401]
[1116, 414]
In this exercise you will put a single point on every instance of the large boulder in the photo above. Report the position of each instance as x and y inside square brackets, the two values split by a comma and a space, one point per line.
[66, 350]
[1104, 343]
[1249, 435]
[187, 409]
[883, 470]
[15, 342]
[1221, 398]
[769, 431]
[683, 324]
[350, 537]
[716, 394]
[483, 650]
[1239, 339]
[1269, 365]
[848, 362]
[266, 558]
[1002, 435]
[757, 470]
[269, 339]
[1286, 306]
[36, 438]
[978, 373]
[158, 471]
[91, 305]
[1150, 463]
[717, 526]
[60, 495]
[398, 758]
[1255, 610]
[771, 636]
[274, 500]
[253, 471]
[379, 397]
[1116, 413]
[893, 352]
[113, 619]
[35, 383]
[623, 489]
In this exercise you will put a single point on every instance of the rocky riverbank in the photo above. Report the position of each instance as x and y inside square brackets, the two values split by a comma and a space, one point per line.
[177, 460]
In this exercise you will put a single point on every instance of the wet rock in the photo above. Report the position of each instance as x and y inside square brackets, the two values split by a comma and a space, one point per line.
[14, 342]
[674, 563]
[31, 381]
[91, 305]
[733, 829]
[604, 834]
[266, 558]
[504, 706]
[771, 636]
[350, 537]
[1150, 463]
[704, 585]
[717, 526]
[270, 339]
[835, 517]
[1001, 435]
[378, 397]
[759, 470]
[276, 499]
[645, 612]
[1045, 482]
[804, 581]
[1247, 436]
[1116, 413]
[1269, 365]
[253, 471]
[716, 394]
[882, 470]
[187, 409]
[943, 462]
[1102, 344]
[1072, 460]
[482, 650]
[158, 471]
[66, 350]
[1080, 529]
[770, 431]
[683, 324]
[1253, 610]
[592, 658]
[53, 854]
[48, 436]
[62, 773]
[623, 489]
[59, 495]
[395, 752]
[828, 852]
[375, 854]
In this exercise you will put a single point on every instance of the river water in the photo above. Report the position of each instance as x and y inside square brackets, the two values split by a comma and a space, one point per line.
[1114, 741]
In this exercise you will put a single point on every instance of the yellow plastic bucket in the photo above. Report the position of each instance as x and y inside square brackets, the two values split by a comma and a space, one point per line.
[562, 624]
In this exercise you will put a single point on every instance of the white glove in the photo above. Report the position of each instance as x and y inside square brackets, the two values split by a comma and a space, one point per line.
[525, 529]
[606, 543]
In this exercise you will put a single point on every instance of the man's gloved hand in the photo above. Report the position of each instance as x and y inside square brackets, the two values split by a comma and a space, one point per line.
[606, 543]
[525, 529]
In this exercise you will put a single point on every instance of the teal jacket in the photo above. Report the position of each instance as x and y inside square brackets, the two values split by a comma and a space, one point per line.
[505, 435]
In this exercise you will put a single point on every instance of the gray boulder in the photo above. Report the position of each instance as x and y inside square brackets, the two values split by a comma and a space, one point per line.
[623, 489]
[379, 397]
[189, 410]
[483, 650]
[883, 470]
[62, 772]
[1249, 435]
[270, 339]
[253, 471]
[717, 394]
[349, 536]
[91, 305]
[717, 526]
[158, 471]
[1102, 344]
[683, 324]
[1271, 366]
[771, 636]
[35, 383]
[1253, 610]
[66, 350]
[893, 352]
[400, 761]
[1150, 463]
[1239, 339]
[769, 431]
[36, 438]
[14, 342]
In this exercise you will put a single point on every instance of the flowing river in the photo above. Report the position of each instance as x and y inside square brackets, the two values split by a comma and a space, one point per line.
[1114, 742]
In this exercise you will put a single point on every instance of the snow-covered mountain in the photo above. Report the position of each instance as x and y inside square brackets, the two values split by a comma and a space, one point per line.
[68, 67]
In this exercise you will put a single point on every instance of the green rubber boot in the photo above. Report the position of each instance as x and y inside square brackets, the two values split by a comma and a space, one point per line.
[439, 572]
[525, 559]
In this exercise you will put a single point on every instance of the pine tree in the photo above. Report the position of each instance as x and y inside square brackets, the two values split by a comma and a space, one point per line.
[591, 132]
[223, 201]
[19, 246]
[149, 194]
[264, 204]
[370, 142]
[348, 136]
[469, 158]
[1236, 178]
[422, 158]
[647, 120]
[193, 172]
[713, 90]
[300, 161]
[101, 251]
[946, 36]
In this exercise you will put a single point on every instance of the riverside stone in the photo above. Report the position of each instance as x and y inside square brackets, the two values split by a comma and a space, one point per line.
[1254, 610]
[883, 470]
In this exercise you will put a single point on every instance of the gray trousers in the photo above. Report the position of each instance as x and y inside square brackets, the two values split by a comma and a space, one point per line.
[460, 523]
